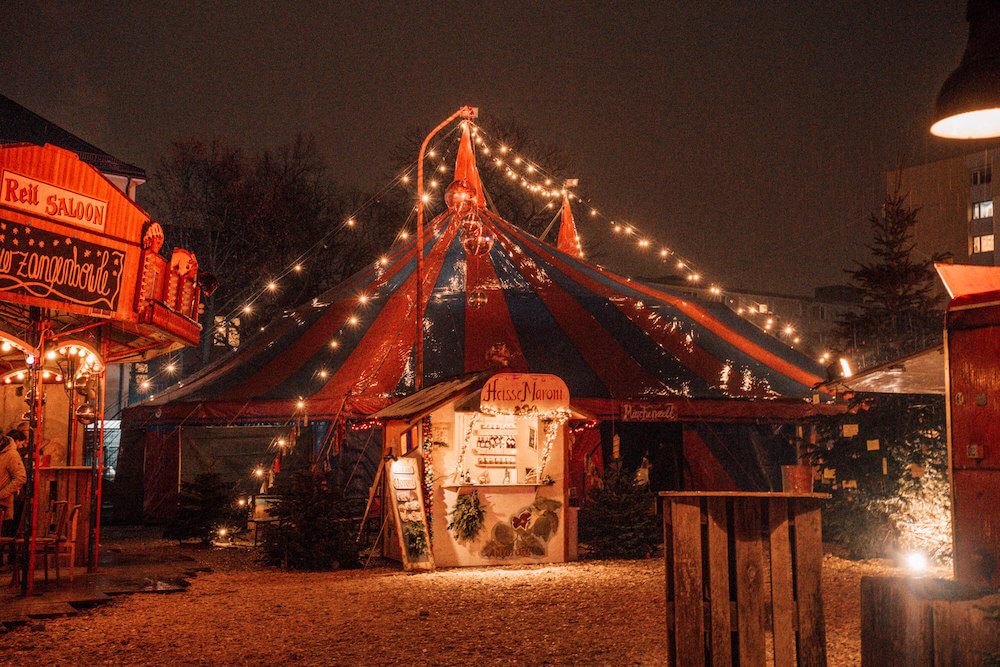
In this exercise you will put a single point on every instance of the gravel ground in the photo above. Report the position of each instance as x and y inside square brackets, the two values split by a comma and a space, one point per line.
[576, 613]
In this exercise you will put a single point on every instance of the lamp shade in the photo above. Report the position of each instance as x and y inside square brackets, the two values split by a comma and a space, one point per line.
[968, 106]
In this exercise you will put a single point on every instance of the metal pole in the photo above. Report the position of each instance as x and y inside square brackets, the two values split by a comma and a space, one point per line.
[465, 112]
[34, 428]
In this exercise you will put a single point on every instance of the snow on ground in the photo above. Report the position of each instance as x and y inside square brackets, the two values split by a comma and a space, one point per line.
[588, 613]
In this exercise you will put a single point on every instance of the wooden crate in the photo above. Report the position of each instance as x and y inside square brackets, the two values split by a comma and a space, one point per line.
[743, 578]
[923, 621]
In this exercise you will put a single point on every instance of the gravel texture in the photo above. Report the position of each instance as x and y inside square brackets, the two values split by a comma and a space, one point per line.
[577, 613]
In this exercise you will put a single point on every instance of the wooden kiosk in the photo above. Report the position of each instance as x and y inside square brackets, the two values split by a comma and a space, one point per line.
[498, 436]
[82, 285]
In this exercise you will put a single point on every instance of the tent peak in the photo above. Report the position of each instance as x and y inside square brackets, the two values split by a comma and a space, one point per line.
[467, 183]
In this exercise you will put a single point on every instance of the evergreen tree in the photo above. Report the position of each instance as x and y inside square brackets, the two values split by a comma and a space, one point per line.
[885, 460]
[900, 305]
[204, 506]
[314, 529]
[619, 520]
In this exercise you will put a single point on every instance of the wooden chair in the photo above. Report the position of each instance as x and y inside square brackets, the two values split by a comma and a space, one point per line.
[62, 543]
[9, 545]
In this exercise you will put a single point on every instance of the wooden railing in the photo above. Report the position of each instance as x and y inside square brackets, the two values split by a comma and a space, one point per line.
[743, 578]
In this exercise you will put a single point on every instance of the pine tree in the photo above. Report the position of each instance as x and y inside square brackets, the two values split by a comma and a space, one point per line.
[204, 505]
[900, 305]
[619, 520]
[314, 528]
[885, 460]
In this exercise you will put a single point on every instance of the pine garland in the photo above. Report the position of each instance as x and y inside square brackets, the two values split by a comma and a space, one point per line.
[468, 517]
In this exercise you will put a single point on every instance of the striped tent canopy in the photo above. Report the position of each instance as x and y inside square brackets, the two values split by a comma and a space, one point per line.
[494, 296]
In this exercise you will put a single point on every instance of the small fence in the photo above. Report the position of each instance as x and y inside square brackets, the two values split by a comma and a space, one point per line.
[743, 578]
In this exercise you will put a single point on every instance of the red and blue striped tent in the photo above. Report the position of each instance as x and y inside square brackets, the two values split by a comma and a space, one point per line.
[613, 340]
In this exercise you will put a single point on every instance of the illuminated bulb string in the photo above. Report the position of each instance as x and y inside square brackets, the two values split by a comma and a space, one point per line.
[535, 179]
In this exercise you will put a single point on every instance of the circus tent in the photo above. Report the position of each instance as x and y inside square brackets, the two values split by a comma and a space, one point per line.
[494, 296]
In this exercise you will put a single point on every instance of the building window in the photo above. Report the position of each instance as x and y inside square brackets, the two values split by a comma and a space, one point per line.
[982, 176]
[982, 209]
[983, 243]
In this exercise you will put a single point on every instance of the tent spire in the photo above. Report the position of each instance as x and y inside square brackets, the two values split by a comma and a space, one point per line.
[568, 241]
[465, 166]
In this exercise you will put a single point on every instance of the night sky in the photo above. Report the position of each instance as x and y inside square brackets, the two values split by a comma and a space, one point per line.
[754, 139]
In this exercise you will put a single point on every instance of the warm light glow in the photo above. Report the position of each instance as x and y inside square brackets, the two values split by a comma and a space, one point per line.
[145, 384]
[425, 198]
[795, 340]
[979, 124]
[298, 267]
[434, 184]
[247, 308]
[403, 235]
[222, 532]
[272, 286]
[300, 404]
[431, 153]
[845, 367]
[51, 354]
[29, 360]
[352, 320]
[259, 472]
[6, 346]
[333, 343]
[916, 562]
[680, 265]
[350, 222]
[241, 502]
[45, 375]
[363, 299]
[323, 374]
[406, 179]
[788, 330]
[169, 368]
[383, 260]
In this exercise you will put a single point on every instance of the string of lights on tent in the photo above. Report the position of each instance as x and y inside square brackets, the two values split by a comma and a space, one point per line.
[535, 180]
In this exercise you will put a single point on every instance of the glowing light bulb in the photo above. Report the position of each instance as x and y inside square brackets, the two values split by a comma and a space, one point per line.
[593, 211]
[300, 404]
[241, 502]
[916, 562]
[352, 320]
[259, 472]
[350, 222]
[383, 260]
[29, 360]
[426, 198]
[664, 253]
[405, 179]
[517, 160]
[788, 330]
[333, 343]
[431, 153]
[403, 235]
[363, 298]
[51, 354]
[298, 267]
[323, 374]
[272, 286]
[170, 368]
[503, 149]
[247, 309]
[222, 532]
[434, 184]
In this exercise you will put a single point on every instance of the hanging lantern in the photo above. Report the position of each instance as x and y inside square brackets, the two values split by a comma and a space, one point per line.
[86, 414]
[477, 245]
[471, 227]
[477, 299]
[460, 198]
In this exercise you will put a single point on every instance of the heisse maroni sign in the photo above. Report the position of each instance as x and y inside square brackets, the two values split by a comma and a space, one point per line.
[524, 392]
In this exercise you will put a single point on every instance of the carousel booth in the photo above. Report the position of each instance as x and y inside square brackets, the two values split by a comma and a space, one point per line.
[475, 473]
[82, 286]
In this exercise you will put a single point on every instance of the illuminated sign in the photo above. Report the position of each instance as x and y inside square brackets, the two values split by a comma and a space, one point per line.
[32, 196]
[42, 264]
[640, 412]
[519, 392]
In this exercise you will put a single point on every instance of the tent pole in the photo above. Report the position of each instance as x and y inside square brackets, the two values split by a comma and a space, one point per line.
[465, 112]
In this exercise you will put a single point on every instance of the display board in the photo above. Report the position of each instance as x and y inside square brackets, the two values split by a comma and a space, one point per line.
[407, 502]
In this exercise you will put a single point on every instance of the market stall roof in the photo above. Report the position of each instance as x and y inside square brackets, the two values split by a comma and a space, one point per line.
[496, 296]
[428, 399]
[18, 124]
[918, 373]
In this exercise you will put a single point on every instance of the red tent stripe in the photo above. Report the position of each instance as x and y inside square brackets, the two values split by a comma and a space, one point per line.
[619, 372]
[491, 323]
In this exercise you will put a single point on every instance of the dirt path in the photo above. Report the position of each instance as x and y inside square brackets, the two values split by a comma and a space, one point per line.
[578, 613]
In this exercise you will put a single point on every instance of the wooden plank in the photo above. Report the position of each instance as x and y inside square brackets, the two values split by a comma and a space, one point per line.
[720, 633]
[749, 581]
[689, 611]
[808, 566]
[782, 601]
[668, 563]
[740, 494]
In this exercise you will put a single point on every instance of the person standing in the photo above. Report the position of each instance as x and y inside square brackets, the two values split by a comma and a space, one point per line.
[12, 478]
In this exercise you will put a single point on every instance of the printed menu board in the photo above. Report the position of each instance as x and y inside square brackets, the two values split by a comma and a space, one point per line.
[407, 502]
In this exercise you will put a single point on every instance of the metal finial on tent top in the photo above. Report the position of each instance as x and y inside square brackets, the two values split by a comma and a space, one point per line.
[468, 113]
